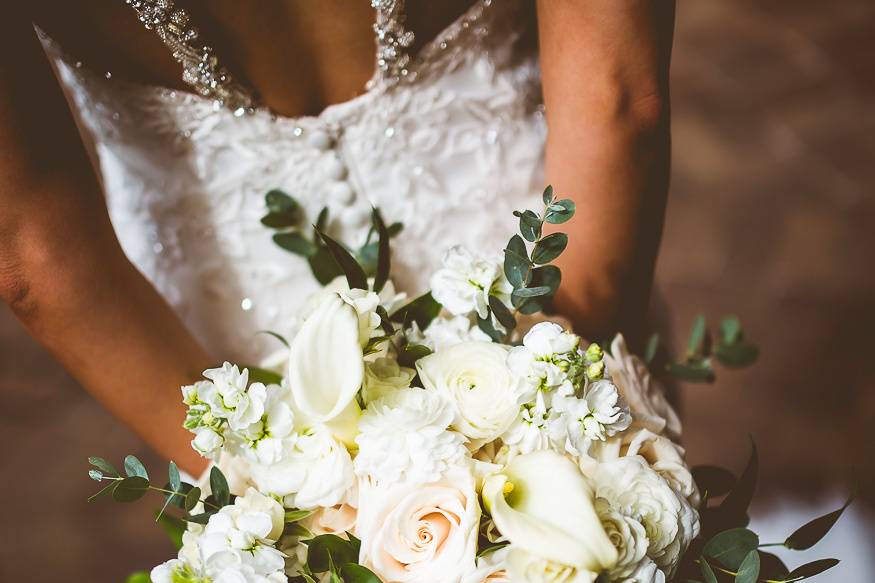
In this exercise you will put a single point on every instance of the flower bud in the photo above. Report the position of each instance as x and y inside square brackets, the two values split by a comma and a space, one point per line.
[594, 353]
[596, 370]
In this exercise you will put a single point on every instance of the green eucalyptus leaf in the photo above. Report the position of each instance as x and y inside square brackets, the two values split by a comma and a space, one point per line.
[395, 229]
[95, 475]
[548, 195]
[295, 515]
[560, 212]
[713, 480]
[411, 353]
[530, 225]
[811, 569]
[278, 201]
[486, 326]
[693, 371]
[549, 248]
[811, 533]
[697, 335]
[354, 273]
[772, 567]
[707, 572]
[530, 306]
[730, 330]
[548, 276]
[177, 500]
[296, 243]
[324, 549]
[173, 476]
[280, 220]
[103, 491]
[502, 313]
[263, 376]
[367, 256]
[738, 500]
[134, 467]
[517, 266]
[730, 547]
[130, 489]
[325, 269]
[201, 518]
[384, 256]
[105, 466]
[737, 355]
[422, 310]
[192, 498]
[353, 573]
[749, 571]
[219, 486]
[531, 292]
[321, 222]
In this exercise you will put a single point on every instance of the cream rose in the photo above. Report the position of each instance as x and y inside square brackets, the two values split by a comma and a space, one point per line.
[419, 533]
[475, 378]
[338, 519]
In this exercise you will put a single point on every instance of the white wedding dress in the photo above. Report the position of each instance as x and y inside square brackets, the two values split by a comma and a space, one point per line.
[449, 143]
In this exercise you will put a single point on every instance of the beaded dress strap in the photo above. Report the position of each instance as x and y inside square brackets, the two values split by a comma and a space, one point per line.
[201, 68]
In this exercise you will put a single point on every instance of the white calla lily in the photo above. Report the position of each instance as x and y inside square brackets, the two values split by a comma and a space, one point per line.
[326, 364]
[543, 505]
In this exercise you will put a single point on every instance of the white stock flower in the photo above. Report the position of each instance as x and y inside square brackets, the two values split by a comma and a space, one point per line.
[544, 506]
[317, 472]
[413, 533]
[475, 378]
[646, 398]
[548, 338]
[228, 398]
[445, 332]
[531, 430]
[384, 376]
[632, 489]
[547, 360]
[404, 438]
[267, 441]
[595, 417]
[207, 442]
[465, 282]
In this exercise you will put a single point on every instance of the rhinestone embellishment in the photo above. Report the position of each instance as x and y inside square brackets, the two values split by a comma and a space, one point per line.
[200, 66]
[393, 42]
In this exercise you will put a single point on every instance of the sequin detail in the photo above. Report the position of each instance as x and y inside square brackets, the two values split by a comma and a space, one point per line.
[200, 66]
[393, 42]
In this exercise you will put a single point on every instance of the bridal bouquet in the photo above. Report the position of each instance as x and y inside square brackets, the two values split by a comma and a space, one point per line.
[454, 438]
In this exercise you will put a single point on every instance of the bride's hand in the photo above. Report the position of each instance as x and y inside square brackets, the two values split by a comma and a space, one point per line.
[61, 268]
[605, 75]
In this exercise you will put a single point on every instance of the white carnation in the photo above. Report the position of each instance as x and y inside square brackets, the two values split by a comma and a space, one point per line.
[465, 282]
[404, 438]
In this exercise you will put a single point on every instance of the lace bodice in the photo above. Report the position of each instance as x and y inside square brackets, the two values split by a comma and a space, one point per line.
[449, 148]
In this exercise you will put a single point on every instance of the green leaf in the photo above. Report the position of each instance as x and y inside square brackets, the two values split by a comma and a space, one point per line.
[353, 573]
[502, 313]
[192, 498]
[695, 371]
[772, 567]
[531, 292]
[530, 225]
[201, 518]
[485, 324]
[411, 353]
[103, 491]
[749, 570]
[811, 569]
[173, 527]
[321, 222]
[173, 476]
[134, 467]
[811, 533]
[384, 256]
[263, 376]
[422, 310]
[385, 321]
[95, 475]
[280, 220]
[549, 248]
[652, 348]
[730, 547]
[713, 480]
[295, 515]
[323, 549]
[707, 572]
[296, 243]
[105, 466]
[549, 276]
[219, 486]
[276, 335]
[177, 500]
[278, 201]
[738, 500]
[296, 529]
[517, 266]
[354, 273]
[395, 229]
[130, 489]
[697, 335]
[560, 212]
[737, 355]
[323, 266]
[548, 195]
[367, 257]
[139, 577]
[730, 330]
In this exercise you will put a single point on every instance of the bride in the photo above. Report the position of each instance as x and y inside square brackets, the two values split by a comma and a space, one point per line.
[130, 242]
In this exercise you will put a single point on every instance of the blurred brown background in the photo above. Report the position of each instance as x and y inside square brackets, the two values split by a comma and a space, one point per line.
[772, 217]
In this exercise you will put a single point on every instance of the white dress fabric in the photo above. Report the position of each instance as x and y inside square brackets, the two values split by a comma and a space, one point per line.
[450, 152]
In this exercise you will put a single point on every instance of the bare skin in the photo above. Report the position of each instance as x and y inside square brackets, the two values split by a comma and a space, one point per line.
[64, 275]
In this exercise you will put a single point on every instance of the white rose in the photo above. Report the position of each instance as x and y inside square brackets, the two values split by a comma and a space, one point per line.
[326, 368]
[445, 332]
[637, 492]
[419, 533]
[383, 376]
[640, 390]
[544, 506]
[318, 472]
[523, 566]
[475, 378]
[338, 519]
[404, 438]
[465, 282]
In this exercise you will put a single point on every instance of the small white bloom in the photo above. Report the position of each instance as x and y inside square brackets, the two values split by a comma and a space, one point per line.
[548, 360]
[532, 428]
[475, 378]
[384, 376]
[600, 414]
[269, 440]
[404, 438]
[445, 332]
[548, 338]
[207, 442]
[465, 282]
[365, 304]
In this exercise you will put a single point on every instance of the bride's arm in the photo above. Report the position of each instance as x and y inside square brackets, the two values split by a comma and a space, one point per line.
[62, 271]
[605, 74]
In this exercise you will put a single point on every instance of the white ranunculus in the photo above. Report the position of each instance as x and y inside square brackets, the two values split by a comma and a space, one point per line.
[384, 376]
[444, 332]
[465, 282]
[404, 438]
[666, 458]
[628, 537]
[631, 488]
[645, 397]
[475, 378]
[318, 472]
[544, 506]
[419, 533]
[490, 568]
[326, 367]
[523, 566]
